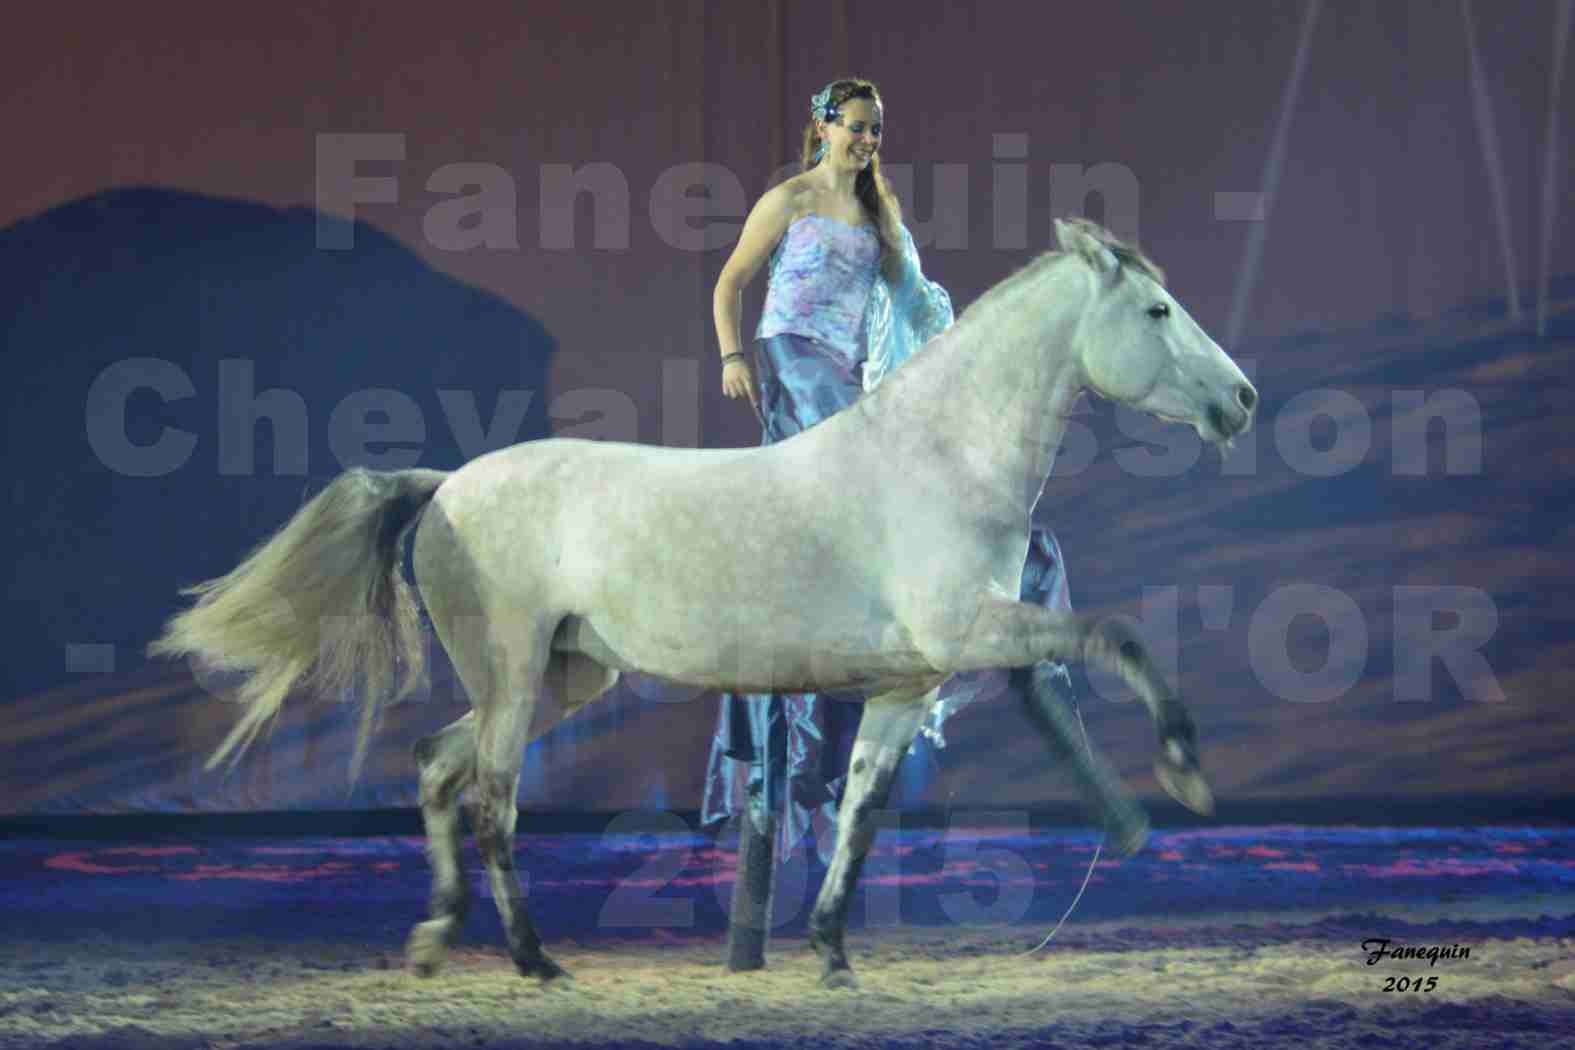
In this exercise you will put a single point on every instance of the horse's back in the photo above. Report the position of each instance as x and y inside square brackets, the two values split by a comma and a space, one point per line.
[569, 473]
[562, 513]
[667, 554]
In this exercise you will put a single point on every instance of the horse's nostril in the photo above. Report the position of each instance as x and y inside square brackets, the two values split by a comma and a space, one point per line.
[1247, 396]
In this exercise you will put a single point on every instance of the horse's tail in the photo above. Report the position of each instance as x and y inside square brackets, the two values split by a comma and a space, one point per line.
[324, 602]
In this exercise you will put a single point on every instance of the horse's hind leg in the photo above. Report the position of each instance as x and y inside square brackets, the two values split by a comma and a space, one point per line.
[502, 731]
[533, 690]
[885, 733]
[447, 762]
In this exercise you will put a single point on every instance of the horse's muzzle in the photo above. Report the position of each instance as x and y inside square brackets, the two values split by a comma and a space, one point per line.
[1228, 421]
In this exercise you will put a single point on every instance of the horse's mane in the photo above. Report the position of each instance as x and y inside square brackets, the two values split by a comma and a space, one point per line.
[1001, 292]
[1128, 255]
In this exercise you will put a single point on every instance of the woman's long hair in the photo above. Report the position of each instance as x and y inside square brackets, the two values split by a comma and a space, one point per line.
[880, 204]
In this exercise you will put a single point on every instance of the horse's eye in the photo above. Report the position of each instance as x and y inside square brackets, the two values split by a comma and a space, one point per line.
[1159, 310]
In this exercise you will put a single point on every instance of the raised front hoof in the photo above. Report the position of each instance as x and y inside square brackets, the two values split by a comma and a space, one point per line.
[839, 978]
[543, 968]
[426, 949]
[1185, 784]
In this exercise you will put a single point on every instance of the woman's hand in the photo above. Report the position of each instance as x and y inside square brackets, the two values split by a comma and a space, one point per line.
[738, 380]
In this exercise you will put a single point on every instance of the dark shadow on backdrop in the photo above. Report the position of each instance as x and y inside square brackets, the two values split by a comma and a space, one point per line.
[184, 282]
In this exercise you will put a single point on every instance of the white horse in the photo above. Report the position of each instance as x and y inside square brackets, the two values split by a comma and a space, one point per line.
[880, 551]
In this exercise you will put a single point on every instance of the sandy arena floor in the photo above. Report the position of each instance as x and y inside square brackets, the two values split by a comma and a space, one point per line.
[1205, 977]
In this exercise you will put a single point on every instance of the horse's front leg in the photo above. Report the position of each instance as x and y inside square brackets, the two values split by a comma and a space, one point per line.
[887, 729]
[1005, 633]
[1040, 689]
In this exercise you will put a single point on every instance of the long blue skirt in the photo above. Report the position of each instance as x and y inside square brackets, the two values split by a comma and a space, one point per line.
[787, 753]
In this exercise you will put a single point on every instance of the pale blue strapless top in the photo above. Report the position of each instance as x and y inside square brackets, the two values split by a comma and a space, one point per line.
[821, 275]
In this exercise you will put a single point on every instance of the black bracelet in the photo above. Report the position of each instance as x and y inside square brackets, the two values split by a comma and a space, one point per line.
[728, 357]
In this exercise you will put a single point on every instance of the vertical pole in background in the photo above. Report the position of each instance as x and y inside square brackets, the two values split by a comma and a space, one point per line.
[837, 30]
[1492, 158]
[1550, 154]
[1247, 276]
[776, 89]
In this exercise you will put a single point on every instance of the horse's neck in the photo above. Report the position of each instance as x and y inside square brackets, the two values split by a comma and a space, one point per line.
[994, 395]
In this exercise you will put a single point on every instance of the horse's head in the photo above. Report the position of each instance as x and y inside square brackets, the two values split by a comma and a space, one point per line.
[1138, 346]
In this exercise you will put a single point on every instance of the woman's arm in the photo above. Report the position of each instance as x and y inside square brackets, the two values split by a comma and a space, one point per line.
[764, 227]
[894, 234]
[904, 315]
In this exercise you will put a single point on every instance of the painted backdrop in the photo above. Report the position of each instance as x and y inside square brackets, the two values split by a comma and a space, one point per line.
[246, 248]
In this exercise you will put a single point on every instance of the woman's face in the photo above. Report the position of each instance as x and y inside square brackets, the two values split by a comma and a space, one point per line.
[855, 137]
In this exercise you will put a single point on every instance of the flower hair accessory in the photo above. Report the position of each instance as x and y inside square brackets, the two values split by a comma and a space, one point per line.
[820, 105]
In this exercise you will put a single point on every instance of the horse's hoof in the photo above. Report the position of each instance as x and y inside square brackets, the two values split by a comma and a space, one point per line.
[425, 951]
[1185, 785]
[839, 979]
[543, 967]
[1127, 837]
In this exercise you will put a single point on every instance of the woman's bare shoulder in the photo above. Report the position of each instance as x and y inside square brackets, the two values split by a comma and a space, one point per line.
[796, 195]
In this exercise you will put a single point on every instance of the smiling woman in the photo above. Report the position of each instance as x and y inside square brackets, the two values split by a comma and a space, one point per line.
[846, 303]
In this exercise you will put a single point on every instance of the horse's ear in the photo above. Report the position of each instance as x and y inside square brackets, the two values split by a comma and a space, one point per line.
[1075, 237]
